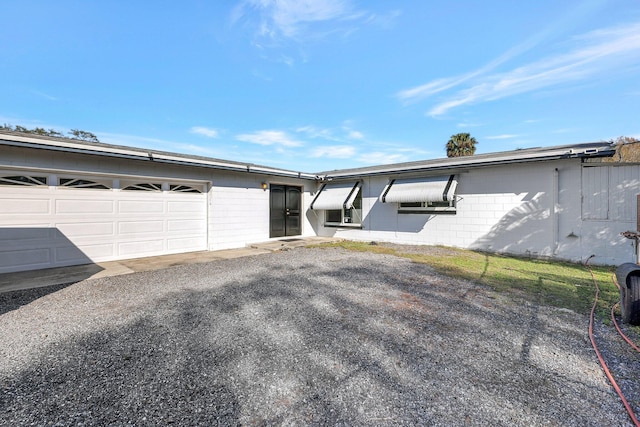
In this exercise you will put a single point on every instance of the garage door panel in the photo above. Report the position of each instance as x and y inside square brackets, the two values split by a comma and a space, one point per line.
[85, 229]
[141, 248]
[53, 226]
[25, 206]
[16, 260]
[184, 206]
[83, 206]
[140, 227]
[83, 254]
[179, 244]
[187, 225]
[140, 206]
[14, 234]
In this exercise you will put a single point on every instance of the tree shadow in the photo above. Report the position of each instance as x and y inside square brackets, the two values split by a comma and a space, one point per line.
[275, 340]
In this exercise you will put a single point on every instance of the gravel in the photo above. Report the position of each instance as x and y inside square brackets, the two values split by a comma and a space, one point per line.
[309, 336]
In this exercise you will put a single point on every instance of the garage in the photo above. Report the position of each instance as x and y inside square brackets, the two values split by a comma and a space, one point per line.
[56, 219]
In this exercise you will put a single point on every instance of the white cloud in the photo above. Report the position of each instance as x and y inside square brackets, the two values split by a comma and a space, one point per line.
[354, 134]
[343, 134]
[315, 132]
[599, 52]
[380, 158]
[334, 152]
[269, 137]
[503, 136]
[288, 18]
[208, 132]
[602, 51]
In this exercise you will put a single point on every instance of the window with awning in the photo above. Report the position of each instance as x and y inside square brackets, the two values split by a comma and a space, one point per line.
[339, 195]
[341, 203]
[425, 194]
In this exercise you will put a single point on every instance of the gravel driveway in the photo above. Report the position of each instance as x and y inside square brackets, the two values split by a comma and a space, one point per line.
[300, 337]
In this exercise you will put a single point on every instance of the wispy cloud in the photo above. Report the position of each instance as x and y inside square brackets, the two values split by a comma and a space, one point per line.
[204, 131]
[289, 18]
[155, 143]
[342, 134]
[269, 137]
[503, 136]
[334, 152]
[44, 95]
[607, 50]
[382, 158]
[315, 132]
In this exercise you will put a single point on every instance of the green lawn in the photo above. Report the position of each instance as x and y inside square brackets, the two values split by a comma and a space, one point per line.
[552, 283]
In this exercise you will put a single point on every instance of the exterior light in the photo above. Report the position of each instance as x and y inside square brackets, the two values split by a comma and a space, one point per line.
[264, 186]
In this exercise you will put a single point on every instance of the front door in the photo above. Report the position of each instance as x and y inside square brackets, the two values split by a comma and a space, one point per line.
[285, 211]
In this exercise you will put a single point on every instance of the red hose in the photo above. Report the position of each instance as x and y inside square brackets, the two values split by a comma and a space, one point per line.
[600, 358]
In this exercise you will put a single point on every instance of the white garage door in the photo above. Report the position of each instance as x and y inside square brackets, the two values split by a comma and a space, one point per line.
[84, 220]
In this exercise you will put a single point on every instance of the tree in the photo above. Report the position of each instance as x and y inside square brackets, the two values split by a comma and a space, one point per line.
[83, 135]
[627, 150]
[461, 144]
[76, 134]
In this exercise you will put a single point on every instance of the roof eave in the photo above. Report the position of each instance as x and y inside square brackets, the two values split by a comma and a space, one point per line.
[143, 155]
[470, 162]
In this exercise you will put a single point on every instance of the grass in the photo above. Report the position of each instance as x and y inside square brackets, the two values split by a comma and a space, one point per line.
[553, 283]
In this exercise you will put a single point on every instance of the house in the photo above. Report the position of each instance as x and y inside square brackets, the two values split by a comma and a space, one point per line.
[67, 202]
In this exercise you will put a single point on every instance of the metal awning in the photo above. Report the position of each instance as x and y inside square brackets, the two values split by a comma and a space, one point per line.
[415, 190]
[336, 195]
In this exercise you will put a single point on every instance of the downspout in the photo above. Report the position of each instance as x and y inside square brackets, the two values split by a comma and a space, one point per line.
[555, 211]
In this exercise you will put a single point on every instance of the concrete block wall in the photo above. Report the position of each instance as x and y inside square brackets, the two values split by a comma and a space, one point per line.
[506, 209]
[239, 208]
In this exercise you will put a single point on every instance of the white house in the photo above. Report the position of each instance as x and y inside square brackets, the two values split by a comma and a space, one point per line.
[66, 202]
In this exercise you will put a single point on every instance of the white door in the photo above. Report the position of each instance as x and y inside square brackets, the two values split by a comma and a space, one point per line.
[81, 221]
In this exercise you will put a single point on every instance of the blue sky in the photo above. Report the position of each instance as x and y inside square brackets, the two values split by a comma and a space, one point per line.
[314, 85]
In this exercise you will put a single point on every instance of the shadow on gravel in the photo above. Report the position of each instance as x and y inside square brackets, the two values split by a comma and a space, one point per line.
[365, 344]
[13, 300]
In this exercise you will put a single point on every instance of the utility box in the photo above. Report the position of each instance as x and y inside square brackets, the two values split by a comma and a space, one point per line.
[628, 276]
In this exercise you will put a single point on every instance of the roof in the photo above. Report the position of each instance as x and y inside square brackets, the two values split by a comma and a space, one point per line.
[119, 151]
[585, 150]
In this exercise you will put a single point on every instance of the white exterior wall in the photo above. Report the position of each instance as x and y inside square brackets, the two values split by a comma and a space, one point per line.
[532, 209]
[239, 209]
[609, 208]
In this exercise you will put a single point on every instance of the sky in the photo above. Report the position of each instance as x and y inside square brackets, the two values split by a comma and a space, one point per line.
[316, 85]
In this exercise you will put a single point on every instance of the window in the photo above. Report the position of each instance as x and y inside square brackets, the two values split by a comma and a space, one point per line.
[341, 203]
[435, 194]
[428, 207]
[23, 180]
[144, 187]
[183, 189]
[346, 216]
[82, 183]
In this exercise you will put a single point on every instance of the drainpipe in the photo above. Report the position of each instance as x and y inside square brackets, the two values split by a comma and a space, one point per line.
[556, 216]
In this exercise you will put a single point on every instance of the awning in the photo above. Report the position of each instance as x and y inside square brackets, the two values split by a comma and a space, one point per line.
[415, 190]
[336, 195]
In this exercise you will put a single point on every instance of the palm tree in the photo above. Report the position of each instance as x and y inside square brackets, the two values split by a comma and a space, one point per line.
[461, 144]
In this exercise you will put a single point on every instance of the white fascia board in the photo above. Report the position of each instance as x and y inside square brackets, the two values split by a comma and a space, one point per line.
[148, 155]
[477, 161]
[73, 147]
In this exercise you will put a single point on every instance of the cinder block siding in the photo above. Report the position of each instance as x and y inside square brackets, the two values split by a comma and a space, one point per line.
[533, 209]
[239, 209]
